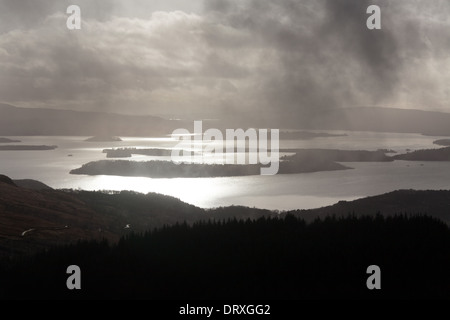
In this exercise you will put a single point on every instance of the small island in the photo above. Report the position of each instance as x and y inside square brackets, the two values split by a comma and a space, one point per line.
[127, 152]
[103, 139]
[306, 135]
[442, 154]
[302, 161]
[336, 155]
[118, 153]
[26, 148]
[168, 169]
[6, 140]
[442, 142]
[387, 150]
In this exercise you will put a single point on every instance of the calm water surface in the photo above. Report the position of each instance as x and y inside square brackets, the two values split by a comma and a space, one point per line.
[308, 190]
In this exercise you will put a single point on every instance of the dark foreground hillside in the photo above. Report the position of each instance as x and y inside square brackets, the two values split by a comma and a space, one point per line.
[32, 220]
[265, 258]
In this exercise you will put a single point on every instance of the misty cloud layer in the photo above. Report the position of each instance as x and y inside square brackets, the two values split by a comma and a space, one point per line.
[277, 60]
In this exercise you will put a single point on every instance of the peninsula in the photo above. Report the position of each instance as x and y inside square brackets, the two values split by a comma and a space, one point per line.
[6, 140]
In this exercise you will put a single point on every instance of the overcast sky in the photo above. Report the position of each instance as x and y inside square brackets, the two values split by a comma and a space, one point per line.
[262, 57]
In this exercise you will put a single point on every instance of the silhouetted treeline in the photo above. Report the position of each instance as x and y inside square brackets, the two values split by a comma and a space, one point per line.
[413, 202]
[259, 259]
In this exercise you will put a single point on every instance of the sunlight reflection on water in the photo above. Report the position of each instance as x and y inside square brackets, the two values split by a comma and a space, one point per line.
[274, 192]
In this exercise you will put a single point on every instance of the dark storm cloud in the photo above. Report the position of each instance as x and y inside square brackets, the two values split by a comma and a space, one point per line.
[375, 51]
[280, 60]
[325, 56]
[102, 63]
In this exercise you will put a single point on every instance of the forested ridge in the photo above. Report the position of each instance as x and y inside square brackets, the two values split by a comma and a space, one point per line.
[280, 258]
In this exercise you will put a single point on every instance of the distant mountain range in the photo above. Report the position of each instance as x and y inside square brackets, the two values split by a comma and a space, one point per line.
[382, 120]
[30, 121]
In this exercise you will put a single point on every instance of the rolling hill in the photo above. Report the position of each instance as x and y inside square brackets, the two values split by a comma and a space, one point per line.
[381, 120]
[435, 203]
[32, 121]
[47, 122]
[31, 220]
